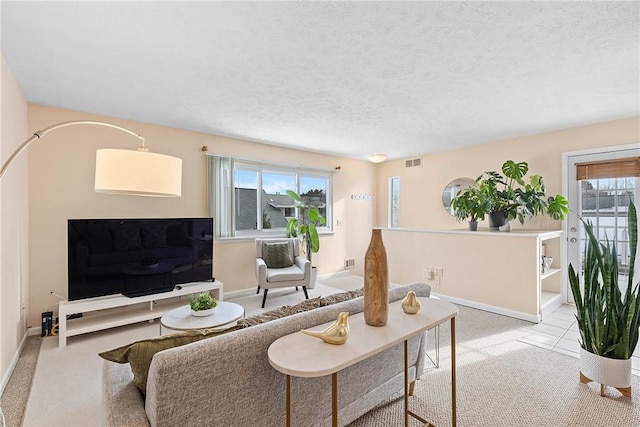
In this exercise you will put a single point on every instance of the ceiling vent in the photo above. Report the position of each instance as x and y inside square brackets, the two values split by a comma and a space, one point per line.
[413, 163]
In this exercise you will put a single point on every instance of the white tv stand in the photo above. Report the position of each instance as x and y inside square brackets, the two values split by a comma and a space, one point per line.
[117, 310]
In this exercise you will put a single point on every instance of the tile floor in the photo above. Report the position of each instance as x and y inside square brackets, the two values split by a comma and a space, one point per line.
[559, 332]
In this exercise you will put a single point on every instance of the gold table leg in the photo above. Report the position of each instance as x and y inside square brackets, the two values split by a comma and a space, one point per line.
[334, 399]
[407, 412]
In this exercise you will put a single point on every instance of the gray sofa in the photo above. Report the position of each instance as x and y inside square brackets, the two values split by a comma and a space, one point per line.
[227, 380]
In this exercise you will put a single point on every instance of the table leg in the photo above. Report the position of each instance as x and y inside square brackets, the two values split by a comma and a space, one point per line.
[288, 400]
[406, 385]
[453, 371]
[334, 399]
[407, 412]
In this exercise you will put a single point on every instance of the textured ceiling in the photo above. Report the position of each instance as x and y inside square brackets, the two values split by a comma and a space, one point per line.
[345, 78]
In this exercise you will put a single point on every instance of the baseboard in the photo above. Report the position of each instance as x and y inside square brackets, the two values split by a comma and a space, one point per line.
[491, 308]
[12, 366]
[336, 274]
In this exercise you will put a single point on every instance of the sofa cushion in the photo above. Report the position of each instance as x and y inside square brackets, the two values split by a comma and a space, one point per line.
[344, 296]
[284, 311]
[277, 254]
[140, 353]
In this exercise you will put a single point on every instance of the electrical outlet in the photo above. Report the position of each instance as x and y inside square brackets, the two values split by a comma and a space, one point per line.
[439, 271]
[438, 279]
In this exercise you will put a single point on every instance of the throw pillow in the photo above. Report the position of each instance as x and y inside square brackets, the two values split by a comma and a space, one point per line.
[140, 353]
[345, 296]
[284, 311]
[277, 254]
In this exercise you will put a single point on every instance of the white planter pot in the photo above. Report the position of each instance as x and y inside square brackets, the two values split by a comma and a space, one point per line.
[203, 313]
[610, 372]
[314, 277]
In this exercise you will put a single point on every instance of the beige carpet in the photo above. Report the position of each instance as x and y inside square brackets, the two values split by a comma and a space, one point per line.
[17, 390]
[502, 382]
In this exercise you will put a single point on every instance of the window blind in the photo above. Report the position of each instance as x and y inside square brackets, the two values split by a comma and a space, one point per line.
[614, 168]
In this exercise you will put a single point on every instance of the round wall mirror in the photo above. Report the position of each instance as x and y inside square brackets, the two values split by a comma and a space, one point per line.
[453, 188]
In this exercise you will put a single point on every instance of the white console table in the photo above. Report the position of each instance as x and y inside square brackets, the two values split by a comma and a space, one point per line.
[301, 355]
[117, 310]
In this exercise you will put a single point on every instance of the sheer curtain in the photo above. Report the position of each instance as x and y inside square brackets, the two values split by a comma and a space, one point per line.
[221, 195]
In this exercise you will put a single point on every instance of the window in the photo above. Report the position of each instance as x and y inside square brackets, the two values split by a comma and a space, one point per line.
[394, 202]
[248, 198]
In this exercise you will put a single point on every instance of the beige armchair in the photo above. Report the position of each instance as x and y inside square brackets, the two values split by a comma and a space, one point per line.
[280, 265]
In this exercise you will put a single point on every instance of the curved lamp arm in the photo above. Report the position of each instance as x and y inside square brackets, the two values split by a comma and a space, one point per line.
[132, 172]
[39, 134]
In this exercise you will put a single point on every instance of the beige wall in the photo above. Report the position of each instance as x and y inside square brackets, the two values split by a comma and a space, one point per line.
[421, 187]
[61, 179]
[14, 220]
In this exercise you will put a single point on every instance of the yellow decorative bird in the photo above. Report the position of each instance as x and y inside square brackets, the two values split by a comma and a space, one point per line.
[410, 303]
[337, 333]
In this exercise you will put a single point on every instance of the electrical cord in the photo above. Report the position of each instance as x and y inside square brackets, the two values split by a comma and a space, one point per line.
[2, 417]
[54, 331]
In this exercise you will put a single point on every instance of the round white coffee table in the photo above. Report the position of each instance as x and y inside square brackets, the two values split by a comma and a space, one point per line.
[180, 319]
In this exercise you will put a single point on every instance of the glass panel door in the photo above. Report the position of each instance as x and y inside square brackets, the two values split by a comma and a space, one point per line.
[604, 203]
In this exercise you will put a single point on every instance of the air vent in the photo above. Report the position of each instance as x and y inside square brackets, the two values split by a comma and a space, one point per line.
[349, 263]
[413, 163]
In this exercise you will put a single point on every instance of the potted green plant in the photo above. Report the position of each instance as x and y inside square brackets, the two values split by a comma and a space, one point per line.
[472, 204]
[512, 197]
[306, 229]
[203, 304]
[608, 320]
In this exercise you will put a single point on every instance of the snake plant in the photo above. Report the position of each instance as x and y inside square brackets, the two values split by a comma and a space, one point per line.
[608, 320]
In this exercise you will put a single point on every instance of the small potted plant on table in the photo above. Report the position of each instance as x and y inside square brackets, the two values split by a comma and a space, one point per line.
[203, 304]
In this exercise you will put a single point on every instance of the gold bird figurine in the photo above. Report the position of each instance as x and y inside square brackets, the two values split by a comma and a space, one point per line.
[410, 303]
[337, 333]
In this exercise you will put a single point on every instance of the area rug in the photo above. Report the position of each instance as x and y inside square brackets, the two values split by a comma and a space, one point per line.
[503, 382]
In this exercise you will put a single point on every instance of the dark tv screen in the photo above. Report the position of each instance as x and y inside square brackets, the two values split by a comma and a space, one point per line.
[137, 257]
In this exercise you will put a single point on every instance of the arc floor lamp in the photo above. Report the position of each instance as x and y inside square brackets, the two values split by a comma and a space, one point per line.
[134, 172]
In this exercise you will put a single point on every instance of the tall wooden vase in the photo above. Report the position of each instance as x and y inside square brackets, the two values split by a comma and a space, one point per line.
[376, 282]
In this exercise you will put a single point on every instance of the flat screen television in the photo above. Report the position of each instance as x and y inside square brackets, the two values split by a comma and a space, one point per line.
[137, 257]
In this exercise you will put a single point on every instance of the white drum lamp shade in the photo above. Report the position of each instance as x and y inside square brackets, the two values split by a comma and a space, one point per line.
[138, 173]
[134, 172]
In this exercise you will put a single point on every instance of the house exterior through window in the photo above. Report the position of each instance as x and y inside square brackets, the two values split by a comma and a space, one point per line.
[248, 198]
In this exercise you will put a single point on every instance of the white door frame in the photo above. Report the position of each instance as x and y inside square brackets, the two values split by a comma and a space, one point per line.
[613, 151]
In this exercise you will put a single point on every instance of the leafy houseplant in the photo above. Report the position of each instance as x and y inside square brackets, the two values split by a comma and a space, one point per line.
[305, 228]
[202, 304]
[510, 194]
[608, 320]
[471, 203]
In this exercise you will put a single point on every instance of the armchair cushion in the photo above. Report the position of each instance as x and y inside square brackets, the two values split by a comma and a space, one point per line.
[277, 254]
[286, 274]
